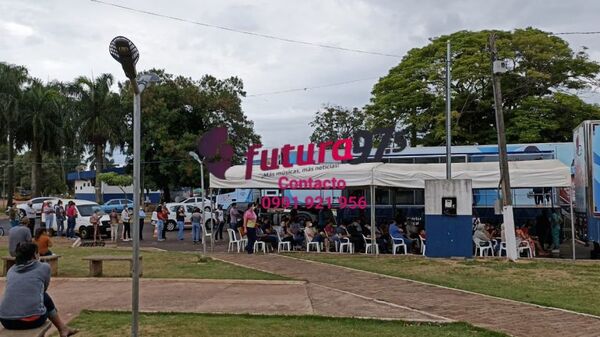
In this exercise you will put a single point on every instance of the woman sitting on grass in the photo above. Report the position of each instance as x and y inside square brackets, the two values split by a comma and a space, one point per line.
[43, 242]
[26, 305]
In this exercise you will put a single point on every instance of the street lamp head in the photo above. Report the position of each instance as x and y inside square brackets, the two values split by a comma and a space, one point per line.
[126, 53]
[195, 156]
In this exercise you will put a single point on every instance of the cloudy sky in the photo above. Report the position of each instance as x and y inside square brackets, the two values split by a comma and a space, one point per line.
[61, 39]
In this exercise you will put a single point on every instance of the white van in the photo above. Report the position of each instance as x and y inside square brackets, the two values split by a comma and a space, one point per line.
[85, 209]
[189, 209]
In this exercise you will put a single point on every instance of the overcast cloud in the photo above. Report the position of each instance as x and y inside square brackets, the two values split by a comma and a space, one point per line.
[62, 39]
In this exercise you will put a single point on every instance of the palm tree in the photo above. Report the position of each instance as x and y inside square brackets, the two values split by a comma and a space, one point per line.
[100, 119]
[42, 123]
[12, 80]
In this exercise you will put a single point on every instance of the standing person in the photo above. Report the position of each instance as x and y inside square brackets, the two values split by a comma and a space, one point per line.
[555, 223]
[50, 215]
[114, 225]
[25, 304]
[220, 223]
[71, 219]
[159, 223]
[13, 215]
[95, 221]
[234, 216]
[126, 217]
[180, 217]
[142, 216]
[43, 242]
[543, 228]
[59, 212]
[165, 213]
[30, 214]
[250, 227]
[18, 235]
[196, 228]
[42, 215]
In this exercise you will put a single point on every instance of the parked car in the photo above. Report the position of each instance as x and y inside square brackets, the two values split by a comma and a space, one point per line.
[189, 209]
[36, 204]
[118, 204]
[85, 209]
[197, 202]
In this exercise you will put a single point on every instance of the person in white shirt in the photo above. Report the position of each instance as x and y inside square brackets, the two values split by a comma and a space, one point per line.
[48, 210]
[126, 217]
[30, 214]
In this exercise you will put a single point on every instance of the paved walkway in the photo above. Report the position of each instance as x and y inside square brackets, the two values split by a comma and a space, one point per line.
[514, 318]
[72, 295]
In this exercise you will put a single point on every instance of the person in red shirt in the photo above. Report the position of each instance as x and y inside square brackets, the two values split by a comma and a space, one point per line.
[163, 216]
[71, 218]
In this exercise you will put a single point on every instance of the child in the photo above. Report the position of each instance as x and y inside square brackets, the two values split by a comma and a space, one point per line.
[43, 241]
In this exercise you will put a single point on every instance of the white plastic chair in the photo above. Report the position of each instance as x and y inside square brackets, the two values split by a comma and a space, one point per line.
[524, 246]
[423, 244]
[483, 250]
[311, 243]
[502, 248]
[345, 245]
[369, 245]
[260, 245]
[395, 245]
[286, 246]
[233, 241]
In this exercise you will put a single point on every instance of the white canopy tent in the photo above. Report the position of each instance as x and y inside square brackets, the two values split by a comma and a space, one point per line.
[523, 174]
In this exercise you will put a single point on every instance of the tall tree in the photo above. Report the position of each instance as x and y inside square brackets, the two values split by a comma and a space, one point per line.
[333, 122]
[42, 126]
[412, 95]
[12, 80]
[100, 120]
[175, 113]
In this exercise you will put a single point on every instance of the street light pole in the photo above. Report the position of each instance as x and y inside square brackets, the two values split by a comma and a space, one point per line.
[195, 156]
[448, 115]
[126, 53]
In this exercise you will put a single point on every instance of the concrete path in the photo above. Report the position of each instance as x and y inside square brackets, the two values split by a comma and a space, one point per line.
[72, 295]
[514, 318]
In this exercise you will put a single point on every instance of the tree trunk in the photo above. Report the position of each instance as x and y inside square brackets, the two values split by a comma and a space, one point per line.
[36, 169]
[98, 167]
[166, 194]
[11, 168]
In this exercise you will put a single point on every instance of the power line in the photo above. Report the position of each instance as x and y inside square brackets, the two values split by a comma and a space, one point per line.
[311, 88]
[576, 33]
[229, 29]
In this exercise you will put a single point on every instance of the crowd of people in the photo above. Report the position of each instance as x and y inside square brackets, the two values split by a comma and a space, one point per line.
[542, 236]
[326, 232]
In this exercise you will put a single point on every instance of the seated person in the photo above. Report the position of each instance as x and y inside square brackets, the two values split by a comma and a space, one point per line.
[396, 232]
[482, 236]
[330, 235]
[522, 234]
[312, 235]
[355, 236]
[26, 305]
[43, 241]
[265, 233]
[297, 234]
[18, 235]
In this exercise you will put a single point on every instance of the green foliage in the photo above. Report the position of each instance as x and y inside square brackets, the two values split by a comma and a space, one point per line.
[543, 83]
[175, 113]
[336, 122]
[115, 179]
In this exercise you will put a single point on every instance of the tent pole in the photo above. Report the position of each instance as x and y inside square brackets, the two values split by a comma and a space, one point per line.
[572, 222]
[373, 226]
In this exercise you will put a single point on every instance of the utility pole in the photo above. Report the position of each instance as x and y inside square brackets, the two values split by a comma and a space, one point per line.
[448, 115]
[507, 211]
[502, 156]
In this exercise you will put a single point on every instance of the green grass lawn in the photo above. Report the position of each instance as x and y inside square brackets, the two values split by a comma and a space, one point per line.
[566, 285]
[156, 264]
[112, 324]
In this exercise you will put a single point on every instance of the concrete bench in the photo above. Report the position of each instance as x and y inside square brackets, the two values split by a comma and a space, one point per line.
[52, 260]
[97, 261]
[39, 332]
